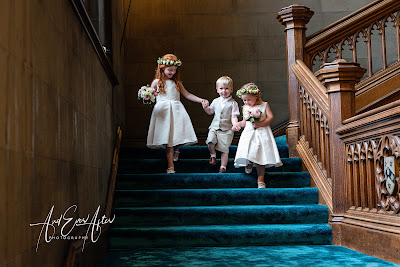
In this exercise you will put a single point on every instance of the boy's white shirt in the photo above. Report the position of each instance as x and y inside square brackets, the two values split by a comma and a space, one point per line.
[223, 101]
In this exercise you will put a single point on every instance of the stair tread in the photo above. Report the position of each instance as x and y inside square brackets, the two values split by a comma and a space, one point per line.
[205, 190]
[190, 228]
[296, 206]
[303, 255]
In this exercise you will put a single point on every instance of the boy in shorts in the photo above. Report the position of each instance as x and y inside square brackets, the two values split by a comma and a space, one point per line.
[225, 110]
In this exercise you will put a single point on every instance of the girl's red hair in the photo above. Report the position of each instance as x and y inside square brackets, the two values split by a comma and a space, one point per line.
[160, 75]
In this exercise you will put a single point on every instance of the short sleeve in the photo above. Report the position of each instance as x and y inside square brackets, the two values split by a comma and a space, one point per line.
[235, 109]
[212, 107]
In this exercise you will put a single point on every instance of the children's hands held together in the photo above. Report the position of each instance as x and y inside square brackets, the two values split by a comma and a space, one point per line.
[205, 103]
[236, 127]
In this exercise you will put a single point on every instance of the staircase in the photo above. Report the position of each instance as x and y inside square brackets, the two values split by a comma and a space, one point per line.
[201, 211]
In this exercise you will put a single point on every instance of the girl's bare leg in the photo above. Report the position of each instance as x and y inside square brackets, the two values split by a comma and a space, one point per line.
[260, 174]
[170, 153]
[176, 153]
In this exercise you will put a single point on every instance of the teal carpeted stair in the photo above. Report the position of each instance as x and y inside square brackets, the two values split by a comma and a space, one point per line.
[198, 216]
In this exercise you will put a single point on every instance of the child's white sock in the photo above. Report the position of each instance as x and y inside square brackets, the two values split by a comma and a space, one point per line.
[213, 155]
[223, 167]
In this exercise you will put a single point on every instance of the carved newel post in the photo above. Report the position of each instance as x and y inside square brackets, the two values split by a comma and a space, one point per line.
[339, 77]
[294, 18]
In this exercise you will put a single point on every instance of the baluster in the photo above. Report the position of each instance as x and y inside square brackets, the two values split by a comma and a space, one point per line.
[301, 105]
[350, 187]
[304, 107]
[327, 149]
[363, 178]
[312, 125]
[322, 141]
[369, 52]
[383, 45]
[398, 35]
[373, 187]
[354, 47]
[317, 133]
[309, 136]
[356, 176]
[370, 176]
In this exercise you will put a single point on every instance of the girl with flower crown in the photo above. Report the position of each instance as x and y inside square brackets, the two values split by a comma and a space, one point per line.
[257, 143]
[170, 124]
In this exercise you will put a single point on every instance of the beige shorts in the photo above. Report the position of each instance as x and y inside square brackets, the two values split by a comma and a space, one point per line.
[221, 139]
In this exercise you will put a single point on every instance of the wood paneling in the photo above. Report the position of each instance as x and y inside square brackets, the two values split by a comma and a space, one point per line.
[57, 117]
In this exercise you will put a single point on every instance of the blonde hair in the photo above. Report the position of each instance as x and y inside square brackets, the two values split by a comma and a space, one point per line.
[160, 75]
[245, 88]
[224, 80]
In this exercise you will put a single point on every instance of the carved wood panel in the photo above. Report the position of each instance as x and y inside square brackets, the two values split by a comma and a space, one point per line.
[365, 179]
[388, 146]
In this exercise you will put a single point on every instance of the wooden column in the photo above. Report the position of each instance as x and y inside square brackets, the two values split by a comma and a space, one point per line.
[294, 18]
[339, 77]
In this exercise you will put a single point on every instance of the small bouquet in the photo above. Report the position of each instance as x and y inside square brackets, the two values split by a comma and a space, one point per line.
[147, 95]
[252, 114]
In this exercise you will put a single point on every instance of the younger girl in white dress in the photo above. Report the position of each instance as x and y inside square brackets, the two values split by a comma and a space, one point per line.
[257, 143]
[170, 124]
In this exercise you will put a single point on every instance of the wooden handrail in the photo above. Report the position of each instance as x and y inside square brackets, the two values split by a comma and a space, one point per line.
[378, 115]
[280, 129]
[313, 86]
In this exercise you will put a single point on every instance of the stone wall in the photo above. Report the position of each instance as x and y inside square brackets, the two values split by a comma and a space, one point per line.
[239, 38]
[58, 118]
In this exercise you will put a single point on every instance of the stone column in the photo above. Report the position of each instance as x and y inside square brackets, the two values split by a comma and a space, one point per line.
[294, 18]
[339, 77]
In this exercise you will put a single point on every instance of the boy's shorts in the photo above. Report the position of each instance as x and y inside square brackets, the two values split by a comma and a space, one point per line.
[221, 139]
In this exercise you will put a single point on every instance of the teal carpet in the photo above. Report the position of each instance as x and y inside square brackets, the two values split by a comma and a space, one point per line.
[199, 217]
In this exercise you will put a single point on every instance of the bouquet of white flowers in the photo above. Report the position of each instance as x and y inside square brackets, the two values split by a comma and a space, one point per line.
[252, 114]
[147, 95]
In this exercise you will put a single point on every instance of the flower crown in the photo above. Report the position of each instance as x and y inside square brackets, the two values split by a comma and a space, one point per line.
[251, 90]
[169, 62]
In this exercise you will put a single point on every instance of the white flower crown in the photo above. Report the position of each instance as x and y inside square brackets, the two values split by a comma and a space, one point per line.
[251, 90]
[169, 62]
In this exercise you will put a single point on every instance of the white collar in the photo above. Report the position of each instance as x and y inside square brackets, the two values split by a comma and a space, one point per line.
[225, 99]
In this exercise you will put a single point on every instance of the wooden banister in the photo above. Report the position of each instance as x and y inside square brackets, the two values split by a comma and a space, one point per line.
[361, 18]
[313, 86]
[356, 33]
[314, 144]
[348, 122]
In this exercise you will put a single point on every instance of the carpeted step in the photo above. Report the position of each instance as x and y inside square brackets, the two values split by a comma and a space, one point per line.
[211, 180]
[250, 256]
[215, 197]
[212, 215]
[220, 235]
[196, 166]
[186, 152]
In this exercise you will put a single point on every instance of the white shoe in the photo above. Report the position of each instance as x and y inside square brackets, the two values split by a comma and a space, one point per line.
[248, 171]
[261, 185]
[175, 158]
[170, 170]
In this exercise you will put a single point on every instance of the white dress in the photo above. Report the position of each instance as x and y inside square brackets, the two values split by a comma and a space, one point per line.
[170, 124]
[257, 145]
